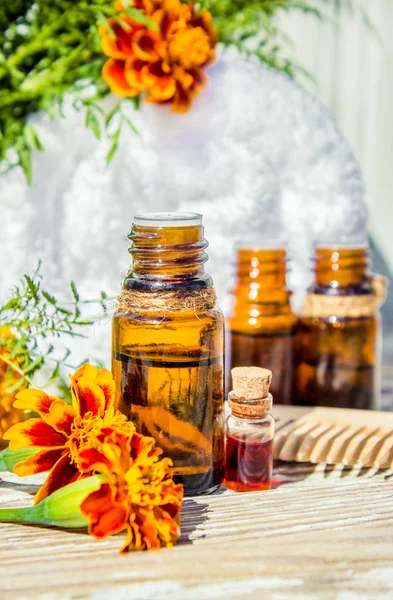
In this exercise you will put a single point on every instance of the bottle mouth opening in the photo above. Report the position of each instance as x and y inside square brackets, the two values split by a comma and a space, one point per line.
[168, 219]
[345, 246]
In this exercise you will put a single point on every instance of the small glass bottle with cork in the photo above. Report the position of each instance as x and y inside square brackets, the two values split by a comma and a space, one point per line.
[250, 431]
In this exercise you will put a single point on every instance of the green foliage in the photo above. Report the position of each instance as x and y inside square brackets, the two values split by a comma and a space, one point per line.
[49, 48]
[253, 26]
[37, 318]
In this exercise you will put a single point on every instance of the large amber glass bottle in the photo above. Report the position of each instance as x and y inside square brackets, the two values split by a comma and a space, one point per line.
[338, 360]
[262, 328]
[168, 347]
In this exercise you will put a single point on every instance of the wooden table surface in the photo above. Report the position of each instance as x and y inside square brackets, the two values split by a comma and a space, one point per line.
[325, 533]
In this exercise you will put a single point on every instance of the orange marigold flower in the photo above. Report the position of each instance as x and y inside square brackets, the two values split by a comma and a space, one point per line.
[140, 496]
[9, 376]
[168, 63]
[63, 431]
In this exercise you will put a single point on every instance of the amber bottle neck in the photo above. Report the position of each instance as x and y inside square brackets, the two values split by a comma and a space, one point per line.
[168, 258]
[261, 275]
[342, 270]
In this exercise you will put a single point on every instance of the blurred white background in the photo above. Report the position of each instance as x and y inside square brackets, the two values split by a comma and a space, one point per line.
[353, 68]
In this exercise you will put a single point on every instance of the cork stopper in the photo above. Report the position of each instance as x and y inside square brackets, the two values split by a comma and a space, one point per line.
[250, 398]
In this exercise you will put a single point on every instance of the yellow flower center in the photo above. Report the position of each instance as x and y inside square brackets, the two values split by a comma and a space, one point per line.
[190, 47]
[86, 431]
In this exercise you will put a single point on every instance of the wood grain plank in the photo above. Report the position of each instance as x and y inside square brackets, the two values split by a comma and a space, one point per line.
[327, 533]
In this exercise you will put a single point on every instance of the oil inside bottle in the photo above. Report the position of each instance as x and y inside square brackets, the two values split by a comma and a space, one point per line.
[249, 463]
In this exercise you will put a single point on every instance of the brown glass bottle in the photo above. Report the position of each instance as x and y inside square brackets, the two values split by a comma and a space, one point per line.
[262, 328]
[168, 348]
[339, 333]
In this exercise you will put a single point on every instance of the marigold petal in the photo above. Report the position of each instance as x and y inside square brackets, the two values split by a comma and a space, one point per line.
[205, 20]
[110, 522]
[62, 473]
[167, 526]
[61, 416]
[163, 90]
[105, 381]
[93, 390]
[113, 74]
[161, 85]
[109, 47]
[185, 79]
[146, 5]
[85, 370]
[116, 40]
[182, 101]
[200, 80]
[143, 450]
[34, 400]
[92, 459]
[105, 518]
[133, 73]
[147, 78]
[98, 501]
[34, 433]
[128, 544]
[145, 45]
[91, 397]
[148, 529]
[38, 463]
[187, 88]
[134, 538]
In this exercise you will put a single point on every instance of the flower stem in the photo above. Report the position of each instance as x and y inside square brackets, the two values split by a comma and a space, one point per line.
[14, 367]
[16, 515]
[60, 509]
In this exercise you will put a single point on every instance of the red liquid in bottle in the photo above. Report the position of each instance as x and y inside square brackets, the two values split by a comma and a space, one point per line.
[249, 464]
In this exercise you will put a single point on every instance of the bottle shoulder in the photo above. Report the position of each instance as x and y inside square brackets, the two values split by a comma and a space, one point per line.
[254, 321]
[137, 283]
[234, 421]
[337, 325]
[250, 430]
[363, 288]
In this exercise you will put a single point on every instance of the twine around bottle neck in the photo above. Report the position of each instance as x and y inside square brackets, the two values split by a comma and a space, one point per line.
[162, 302]
[354, 307]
